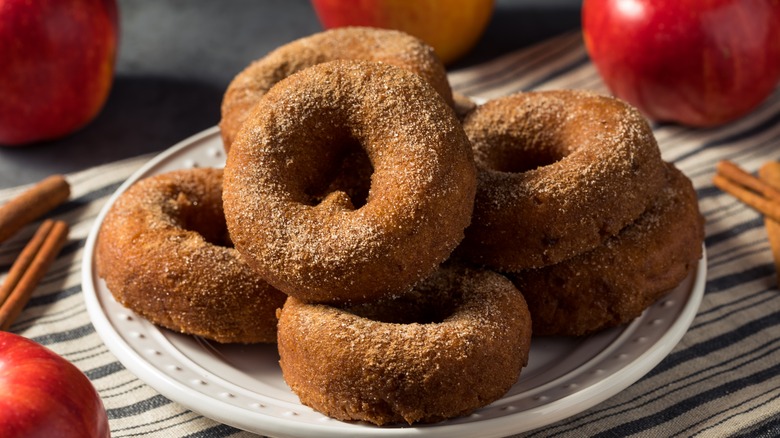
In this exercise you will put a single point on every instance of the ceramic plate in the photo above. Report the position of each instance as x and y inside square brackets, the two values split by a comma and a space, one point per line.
[242, 385]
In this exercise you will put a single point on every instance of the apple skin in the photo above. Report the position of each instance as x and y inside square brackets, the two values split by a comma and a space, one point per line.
[451, 27]
[44, 395]
[58, 66]
[700, 63]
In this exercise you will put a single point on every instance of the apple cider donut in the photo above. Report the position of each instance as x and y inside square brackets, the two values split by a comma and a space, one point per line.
[558, 172]
[164, 252]
[617, 281]
[325, 249]
[358, 43]
[453, 345]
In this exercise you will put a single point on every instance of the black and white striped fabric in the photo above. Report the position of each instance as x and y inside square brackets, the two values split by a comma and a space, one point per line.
[723, 379]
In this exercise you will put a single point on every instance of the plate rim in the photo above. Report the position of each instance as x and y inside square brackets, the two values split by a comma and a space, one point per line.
[287, 427]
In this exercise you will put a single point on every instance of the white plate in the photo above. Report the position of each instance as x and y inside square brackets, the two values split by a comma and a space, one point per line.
[242, 385]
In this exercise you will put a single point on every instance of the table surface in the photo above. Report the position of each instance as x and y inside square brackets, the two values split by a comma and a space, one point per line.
[177, 57]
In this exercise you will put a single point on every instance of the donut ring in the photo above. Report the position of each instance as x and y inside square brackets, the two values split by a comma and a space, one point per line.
[359, 43]
[161, 250]
[374, 363]
[614, 283]
[419, 203]
[558, 172]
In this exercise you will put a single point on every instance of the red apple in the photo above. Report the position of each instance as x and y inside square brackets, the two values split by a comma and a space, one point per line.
[451, 27]
[696, 62]
[57, 66]
[44, 395]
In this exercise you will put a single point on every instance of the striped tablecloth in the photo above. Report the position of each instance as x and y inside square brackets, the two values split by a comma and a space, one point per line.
[722, 379]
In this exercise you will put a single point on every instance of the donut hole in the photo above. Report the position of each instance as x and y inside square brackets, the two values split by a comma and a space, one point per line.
[414, 308]
[520, 154]
[205, 218]
[349, 171]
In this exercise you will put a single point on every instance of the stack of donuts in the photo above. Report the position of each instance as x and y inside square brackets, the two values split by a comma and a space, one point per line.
[399, 243]
[575, 205]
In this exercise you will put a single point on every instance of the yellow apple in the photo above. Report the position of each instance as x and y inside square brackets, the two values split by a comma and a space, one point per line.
[451, 27]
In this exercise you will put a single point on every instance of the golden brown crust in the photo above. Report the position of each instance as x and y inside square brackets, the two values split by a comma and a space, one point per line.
[558, 172]
[359, 43]
[617, 281]
[421, 193]
[161, 250]
[353, 367]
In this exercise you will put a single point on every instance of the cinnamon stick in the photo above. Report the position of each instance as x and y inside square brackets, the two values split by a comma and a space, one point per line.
[32, 204]
[45, 245]
[755, 200]
[734, 173]
[24, 260]
[770, 174]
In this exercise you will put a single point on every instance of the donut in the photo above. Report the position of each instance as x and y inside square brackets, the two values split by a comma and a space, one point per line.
[324, 248]
[614, 283]
[361, 43]
[454, 344]
[557, 173]
[164, 252]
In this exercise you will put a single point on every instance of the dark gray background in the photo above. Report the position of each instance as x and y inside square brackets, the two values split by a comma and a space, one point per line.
[176, 57]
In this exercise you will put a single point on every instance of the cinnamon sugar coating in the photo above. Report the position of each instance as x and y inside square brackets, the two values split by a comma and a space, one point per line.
[330, 248]
[455, 344]
[359, 43]
[164, 253]
[614, 283]
[558, 173]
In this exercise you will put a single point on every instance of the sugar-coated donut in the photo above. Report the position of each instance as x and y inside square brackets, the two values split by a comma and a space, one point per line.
[614, 283]
[455, 344]
[558, 172]
[362, 43]
[330, 248]
[164, 253]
